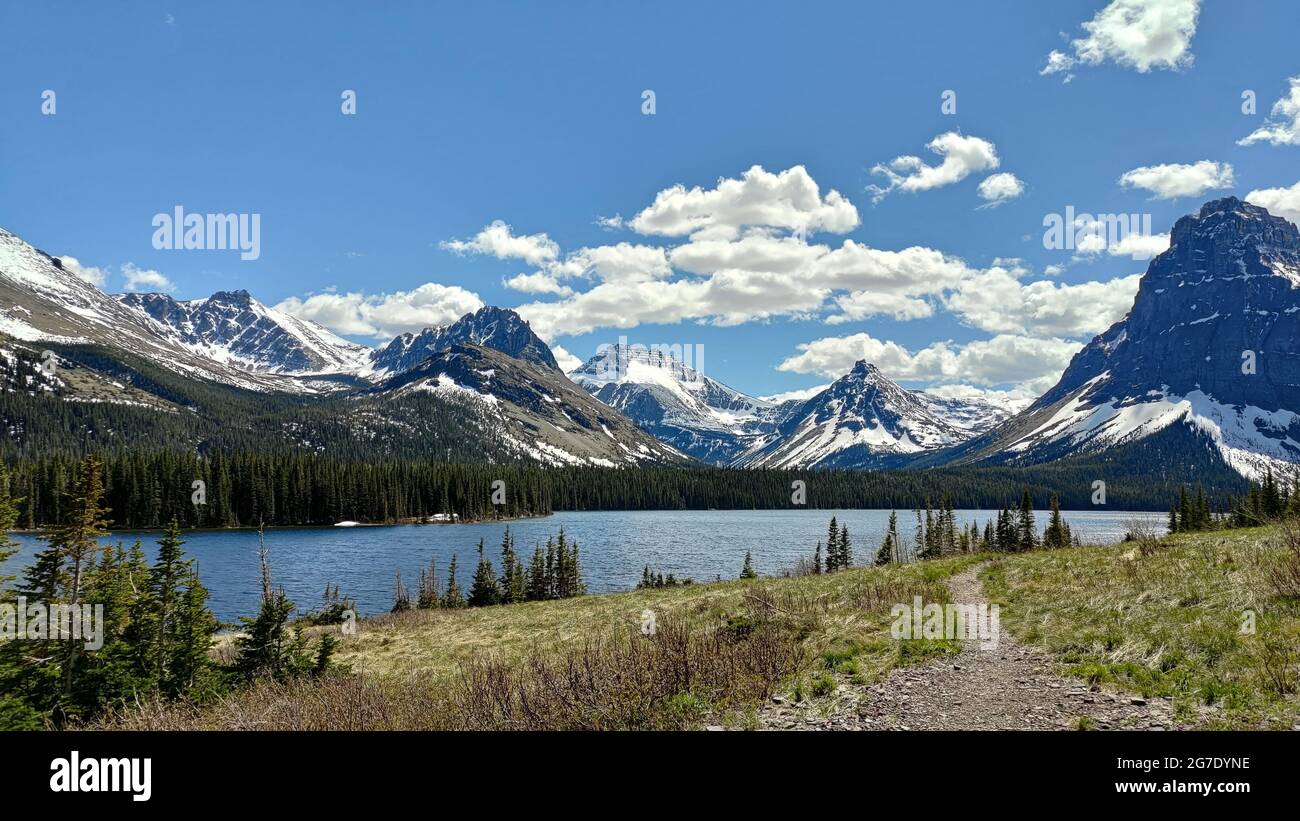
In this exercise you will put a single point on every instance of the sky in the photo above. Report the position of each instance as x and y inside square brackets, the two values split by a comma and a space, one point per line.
[779, 189]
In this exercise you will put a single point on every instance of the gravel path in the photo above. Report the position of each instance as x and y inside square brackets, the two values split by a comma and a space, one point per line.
[1012, 687]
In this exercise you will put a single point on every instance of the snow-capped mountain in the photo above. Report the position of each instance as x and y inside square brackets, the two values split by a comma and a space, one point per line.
[697, 415]
[864, 420]
[498, 328]
[233, 328]
[43, 303]
[538, 412]
[1211, 346]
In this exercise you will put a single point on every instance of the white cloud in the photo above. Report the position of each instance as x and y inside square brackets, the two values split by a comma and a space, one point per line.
[999, 188]
[1171, 180]
[88, 273]
[1013, 400]
[1137, 34]
[538, 283]
[500, 241]
[1139, 246]
[141, 279]
[962, 156]
[997, 301]
[623, 262]
[1031, 364]
[1283, 124]
[566, 361]
[1280, 202]
[384, 316]
[801, 394]
[1119, 235]
[789, 200]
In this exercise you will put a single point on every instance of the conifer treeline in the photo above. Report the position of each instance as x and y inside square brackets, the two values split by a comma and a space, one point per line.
[554, 572]
[146, 489]
[151, 623]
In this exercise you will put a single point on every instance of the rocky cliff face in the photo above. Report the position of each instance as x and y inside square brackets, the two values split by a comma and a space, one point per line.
[1212, 342]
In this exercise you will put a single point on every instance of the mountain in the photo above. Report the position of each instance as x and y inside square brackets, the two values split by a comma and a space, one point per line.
[865, 420]
[696, 414]
[1210, 351]
[498, 328]
[80, 369]
[233, 328]
[535, 408]
[41, 302]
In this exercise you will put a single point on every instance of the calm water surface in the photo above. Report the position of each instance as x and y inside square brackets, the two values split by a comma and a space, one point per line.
[614, 547]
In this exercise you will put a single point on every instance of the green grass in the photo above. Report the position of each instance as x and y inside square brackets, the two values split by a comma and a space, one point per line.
[851, 635]
[1165, 621]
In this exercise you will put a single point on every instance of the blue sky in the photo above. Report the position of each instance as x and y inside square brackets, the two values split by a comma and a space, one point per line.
[531, 114]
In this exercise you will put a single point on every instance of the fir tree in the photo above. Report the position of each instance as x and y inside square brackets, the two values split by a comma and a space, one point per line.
[1026, 530]
[846, 549]
[483, 590]
[453, 599]
[1058, 532]
[833, 546]
[747, 570]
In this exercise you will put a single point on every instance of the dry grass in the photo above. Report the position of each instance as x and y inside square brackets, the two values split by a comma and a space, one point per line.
[718, 651]
[1197, 618]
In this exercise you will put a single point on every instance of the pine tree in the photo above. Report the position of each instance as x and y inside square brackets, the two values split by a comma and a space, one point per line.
[483, 590]
[428, 597]
[833, 546]
[846, 549]
[1026, 530]
[453, 599]
[513, 583]
[817, 559]
[889, 547]
[537, 576]
[747, 570]
[401, 596]
[8, 520]
[269, 647]
[1173, 516]
[1058, 532]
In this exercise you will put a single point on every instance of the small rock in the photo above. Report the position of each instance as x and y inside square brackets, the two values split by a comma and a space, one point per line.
[1138, 702]
[715, 728]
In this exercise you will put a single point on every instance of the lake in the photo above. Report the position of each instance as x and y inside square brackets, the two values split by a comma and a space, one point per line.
[614, 547]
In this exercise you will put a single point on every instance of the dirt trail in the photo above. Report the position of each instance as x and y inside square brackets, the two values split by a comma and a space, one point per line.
[1012, 687]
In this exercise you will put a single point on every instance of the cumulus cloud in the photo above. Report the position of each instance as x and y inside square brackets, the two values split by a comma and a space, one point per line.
[145, 280]
[87, 273]
[1172, 180]
[997, 301]
[538, 283]
[624, 262]
[500, 241]
[1283, 124]
[1030, 364]
[383, 316]
[1119, 235]
[801, 394]
[1136, 34]
[999, 188]
[962, 156]
[1280, 202]
[567, 361]
[789, 199]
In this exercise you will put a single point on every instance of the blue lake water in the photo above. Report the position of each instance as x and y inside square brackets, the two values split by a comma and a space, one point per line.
[614, 547]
